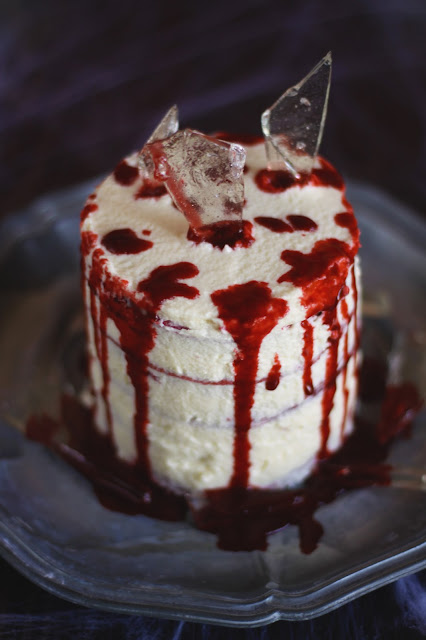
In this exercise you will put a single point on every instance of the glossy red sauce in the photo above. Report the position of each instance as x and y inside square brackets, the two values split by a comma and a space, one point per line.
[347, 220]
[221, 234]
[277, 225]
[319, 273]
[88, 242]
[241, 518]
[302, 223]
[330, 319]
[277, 181]
[249, 313]
[125, 241]
[135, 321]
[125, 174]
[274, 375]
[89, 208]
[400, 406]
[326, 176]
[308, 354]
[151, 189]
[120, 486]
[345, 316]
[295, 223]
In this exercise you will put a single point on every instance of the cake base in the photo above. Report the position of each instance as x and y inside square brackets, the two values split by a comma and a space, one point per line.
[241, 518]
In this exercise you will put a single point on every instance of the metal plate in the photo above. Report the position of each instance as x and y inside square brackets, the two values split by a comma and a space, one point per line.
[52, 527]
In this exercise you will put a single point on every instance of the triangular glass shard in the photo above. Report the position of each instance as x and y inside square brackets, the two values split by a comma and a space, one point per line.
[166, 128]
[203, 175]
[294, 125]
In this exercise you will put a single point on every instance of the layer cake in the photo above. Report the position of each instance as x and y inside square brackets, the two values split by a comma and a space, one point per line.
[216, 364]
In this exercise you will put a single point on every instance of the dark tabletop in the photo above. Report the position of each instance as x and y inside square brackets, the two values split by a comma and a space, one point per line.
[83, 83]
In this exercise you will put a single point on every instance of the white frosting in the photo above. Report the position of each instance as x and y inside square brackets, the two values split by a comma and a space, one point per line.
[191, 420]
[218, 269]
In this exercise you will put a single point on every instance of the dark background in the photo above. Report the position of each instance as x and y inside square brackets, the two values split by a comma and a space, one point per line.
[83, 83]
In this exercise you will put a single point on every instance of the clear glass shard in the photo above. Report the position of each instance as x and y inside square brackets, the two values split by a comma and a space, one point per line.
[294, 125]
[168, 125]
[203, 175]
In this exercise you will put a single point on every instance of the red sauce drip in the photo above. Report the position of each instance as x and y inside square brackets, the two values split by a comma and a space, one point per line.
[147, 232]
[357, 331]
[275, 181]
[345, 315]
[88, 242]
[347, 220]
[320, 272]
[125, 175]
[245, 139]
[274, 224]
[162, 284]
[89, 208]
[399, 408]
[308, 354]
[330, 319]
[122, 241]
[241, 518]
[273, 379]
[99, 323]
[95, 323]
[221, 234]
[103, 319]
[151, 189]
[119, 486]
[135, 321]
[327, 176]
[295, 223]
[249, 313]
[302, 223]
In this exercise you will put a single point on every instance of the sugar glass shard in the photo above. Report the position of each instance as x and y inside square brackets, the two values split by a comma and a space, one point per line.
[166, 128]
[294, 125]
[203, 175]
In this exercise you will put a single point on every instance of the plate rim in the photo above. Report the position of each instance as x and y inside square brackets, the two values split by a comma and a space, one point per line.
[270, 607]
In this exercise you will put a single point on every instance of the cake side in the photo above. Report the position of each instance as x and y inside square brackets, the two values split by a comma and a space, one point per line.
[178, 385]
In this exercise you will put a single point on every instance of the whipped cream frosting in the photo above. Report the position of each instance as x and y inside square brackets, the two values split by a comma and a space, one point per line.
[300, 264]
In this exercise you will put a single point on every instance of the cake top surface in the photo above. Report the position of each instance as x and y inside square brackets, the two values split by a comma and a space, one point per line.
[299, 241]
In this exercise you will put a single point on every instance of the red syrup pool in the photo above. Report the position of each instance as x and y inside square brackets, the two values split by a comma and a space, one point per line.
[241, 518]
[249, 313]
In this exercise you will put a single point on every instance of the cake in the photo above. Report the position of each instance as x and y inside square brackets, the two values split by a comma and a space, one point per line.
[228, 361]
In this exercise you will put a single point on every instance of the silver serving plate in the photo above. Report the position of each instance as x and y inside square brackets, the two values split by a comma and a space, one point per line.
[53, 529]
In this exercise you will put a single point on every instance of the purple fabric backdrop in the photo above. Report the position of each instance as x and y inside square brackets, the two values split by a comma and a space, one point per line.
[82, 83]
[395, 612]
